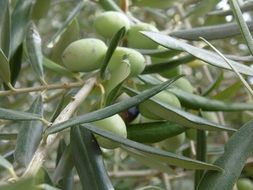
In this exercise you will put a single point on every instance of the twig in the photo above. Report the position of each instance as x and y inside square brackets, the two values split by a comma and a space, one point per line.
[41, 88]
[47, 144]
[133, 173]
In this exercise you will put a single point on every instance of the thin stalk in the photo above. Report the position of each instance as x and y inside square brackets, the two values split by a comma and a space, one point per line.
[200, 154]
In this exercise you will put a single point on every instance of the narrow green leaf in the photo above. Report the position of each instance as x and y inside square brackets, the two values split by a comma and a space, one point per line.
[70, 34]
[162, 52]
[5, 27]
[237, 150]
[20, 19]
[109, 5]
[229, 91]
[5, 74]
[158, 154]
[216, 83]
[110, 110]
[159, 67]
[40, 9]
[178, 116]
[64, 167]
[201, 146]
[88, 160]
[243, 25]
[205, 55]
[7, 165]
[153, 132]
[64, 172]
[16, 63]
[212, 32]
[29, 136]
[33, 44]
[49, 64]
[197, 102]
[71, 16]
[18, 115]
[112, 46]
[143, 159]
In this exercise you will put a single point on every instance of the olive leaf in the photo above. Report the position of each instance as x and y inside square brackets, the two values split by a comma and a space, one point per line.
[29, 136]
[40, 9]
[170, 113]
[112, 46]
[5, 27]
[205, 55]
[242, 24]
[18, 115]
[5, 74]
[236, 152]
[20, 19]
[154, 153]
[212, 32]
[70, 34]
[153, 132]
[88, 160]
[110, 110]
[49, 64]
[33, 44]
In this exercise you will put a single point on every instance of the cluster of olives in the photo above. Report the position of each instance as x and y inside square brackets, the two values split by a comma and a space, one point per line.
[86, 55]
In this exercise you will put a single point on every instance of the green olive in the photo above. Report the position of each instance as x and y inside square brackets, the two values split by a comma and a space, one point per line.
[163, 97]
[173, 143]
[184, 84]
[244, 184]
[84, 55]
[131, 56]
[113, 124]
[108, 23]
[138, 40]
[162, 4]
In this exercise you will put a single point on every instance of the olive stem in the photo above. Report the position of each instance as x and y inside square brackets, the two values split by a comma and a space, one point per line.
[47, 142]
[41, 88]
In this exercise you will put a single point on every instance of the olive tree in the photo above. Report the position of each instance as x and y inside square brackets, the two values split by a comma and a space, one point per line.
[126, 94]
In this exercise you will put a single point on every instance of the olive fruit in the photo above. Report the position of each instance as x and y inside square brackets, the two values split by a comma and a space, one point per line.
[108, 23]
[131, 56]
[163, 97]
[84, 55]
[162, 4]
[138, 40]
[183, 84]
[113, 124]
[173, 143]
[244, 184]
